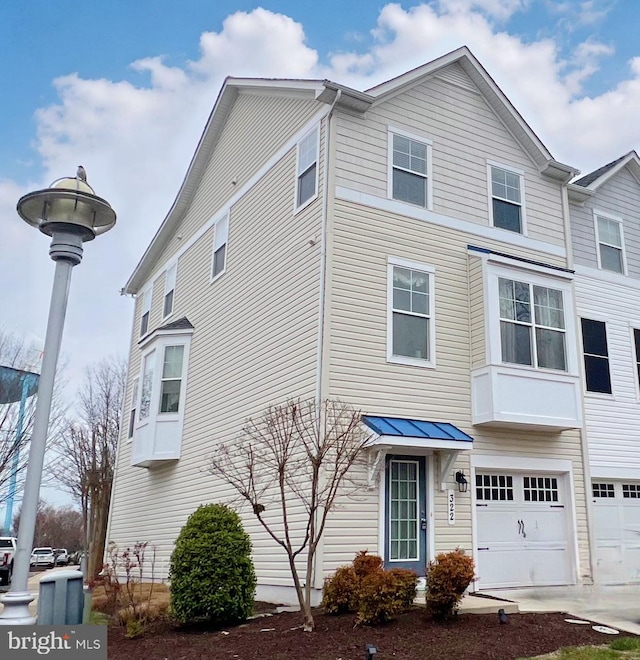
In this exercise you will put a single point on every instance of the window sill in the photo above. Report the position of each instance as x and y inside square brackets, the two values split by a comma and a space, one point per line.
[509, 231]
[411, 362]
[218, 276]
[600, 395]
[304, 204]
[411, 204]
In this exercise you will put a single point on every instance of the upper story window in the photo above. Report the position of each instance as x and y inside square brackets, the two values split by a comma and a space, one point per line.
[169, 289]
[410, 329]
[532, 325]
[132, 411]
[410, 171]
[610, 244]
[596, 356]
[507, 194]
[146, 312]
[171, 378]
[220, 240]
[307, 170]
[636, 346]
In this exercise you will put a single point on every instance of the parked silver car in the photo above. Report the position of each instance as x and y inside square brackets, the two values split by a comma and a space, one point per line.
[62, 556]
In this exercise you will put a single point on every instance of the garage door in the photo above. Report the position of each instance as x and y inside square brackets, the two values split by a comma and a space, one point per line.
[522, 523]
[616, 507]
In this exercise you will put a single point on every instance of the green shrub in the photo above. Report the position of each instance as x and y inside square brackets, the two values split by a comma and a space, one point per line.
[447, 578]
[340, 591]
[212, 575]
[385, 594]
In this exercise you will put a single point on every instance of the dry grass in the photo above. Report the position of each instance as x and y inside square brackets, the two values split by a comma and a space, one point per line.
[151, 600]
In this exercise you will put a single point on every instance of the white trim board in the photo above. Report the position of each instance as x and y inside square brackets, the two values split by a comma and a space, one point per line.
[494, 233]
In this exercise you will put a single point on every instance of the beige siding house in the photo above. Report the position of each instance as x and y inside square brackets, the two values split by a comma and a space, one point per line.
[404, 249]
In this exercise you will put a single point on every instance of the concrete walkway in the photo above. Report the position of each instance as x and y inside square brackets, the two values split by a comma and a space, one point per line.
[613, 606]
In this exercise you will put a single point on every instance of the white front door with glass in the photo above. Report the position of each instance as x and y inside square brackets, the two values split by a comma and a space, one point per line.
[406, 513]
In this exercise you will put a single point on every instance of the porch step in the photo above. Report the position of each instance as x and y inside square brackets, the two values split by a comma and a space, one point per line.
[471, 604]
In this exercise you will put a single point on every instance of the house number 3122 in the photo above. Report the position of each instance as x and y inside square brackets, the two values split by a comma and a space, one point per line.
[451, 500]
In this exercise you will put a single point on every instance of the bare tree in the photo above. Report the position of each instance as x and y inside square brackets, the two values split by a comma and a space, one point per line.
[87, 452]
[295, 456]
[58, 527]
[18, 362]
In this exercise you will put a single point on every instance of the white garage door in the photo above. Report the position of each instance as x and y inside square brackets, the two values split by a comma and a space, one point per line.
[522, 530]
[617, 531]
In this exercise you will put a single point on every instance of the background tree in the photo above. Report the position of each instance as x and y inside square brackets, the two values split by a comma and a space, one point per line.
[295, 457]
[18, 354]
[58, 527]
[86, 452]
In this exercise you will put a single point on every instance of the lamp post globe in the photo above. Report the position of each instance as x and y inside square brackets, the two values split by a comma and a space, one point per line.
[70, 213]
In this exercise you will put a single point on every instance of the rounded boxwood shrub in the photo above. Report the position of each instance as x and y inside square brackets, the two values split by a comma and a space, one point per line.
[212, 575]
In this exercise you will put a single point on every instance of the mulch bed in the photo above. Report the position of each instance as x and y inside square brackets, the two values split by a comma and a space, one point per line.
[413, 636]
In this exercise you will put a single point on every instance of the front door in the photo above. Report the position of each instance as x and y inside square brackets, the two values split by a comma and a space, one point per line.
[406, 513]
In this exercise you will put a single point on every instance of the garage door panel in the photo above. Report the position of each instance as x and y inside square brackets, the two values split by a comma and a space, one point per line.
[522, 541]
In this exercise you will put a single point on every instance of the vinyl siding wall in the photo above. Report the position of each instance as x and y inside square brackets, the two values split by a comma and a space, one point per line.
[620, 197]
[257, 128]
[465, 133]
[613, 421]
[254, 345]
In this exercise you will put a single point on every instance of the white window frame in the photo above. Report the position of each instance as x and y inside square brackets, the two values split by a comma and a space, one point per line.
[523, 211]
[220, 239]
[307, 166]
[430, 271]
[146, 309]
[169, 288]
[392, 130]
[618, 220]
[587, 316]
[133, 408]
[158, 344]
[635, 357]
[533, 276]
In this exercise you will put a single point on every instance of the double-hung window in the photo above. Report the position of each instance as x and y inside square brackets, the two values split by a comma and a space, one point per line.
[171, 379]
[532, 325]
[220, 240]
[610, 244]
[596, 356]
[169, 290]
[146, 312]
[507, 208]
[410, 172]
[132, 408]
[411, 336]
[307, 168]
[636, 346]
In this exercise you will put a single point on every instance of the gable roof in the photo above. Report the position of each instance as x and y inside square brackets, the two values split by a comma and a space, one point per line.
[350, 100]
[584, 187]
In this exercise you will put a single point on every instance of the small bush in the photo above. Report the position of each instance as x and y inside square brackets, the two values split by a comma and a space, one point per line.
[447, 578]
[365, 564]
[385, 594]
[405, 583]
[340, 591]
[211, 573]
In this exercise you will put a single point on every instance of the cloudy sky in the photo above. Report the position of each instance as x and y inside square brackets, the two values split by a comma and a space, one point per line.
[125, 88]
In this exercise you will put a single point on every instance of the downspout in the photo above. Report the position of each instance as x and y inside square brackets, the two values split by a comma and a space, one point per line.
[319, 556]
[323, 251]
[584, 442]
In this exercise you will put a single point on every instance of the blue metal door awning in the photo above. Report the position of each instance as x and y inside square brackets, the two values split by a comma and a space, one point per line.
[399, 433]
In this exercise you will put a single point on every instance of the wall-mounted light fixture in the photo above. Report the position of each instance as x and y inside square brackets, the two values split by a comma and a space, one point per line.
[462, 482]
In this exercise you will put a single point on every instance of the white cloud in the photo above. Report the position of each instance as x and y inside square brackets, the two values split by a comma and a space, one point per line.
[136, 141]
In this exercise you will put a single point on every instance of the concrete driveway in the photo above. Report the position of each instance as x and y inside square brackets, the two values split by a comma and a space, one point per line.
[614, 606]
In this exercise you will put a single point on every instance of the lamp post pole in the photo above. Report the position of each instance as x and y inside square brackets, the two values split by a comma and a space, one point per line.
[70, 213]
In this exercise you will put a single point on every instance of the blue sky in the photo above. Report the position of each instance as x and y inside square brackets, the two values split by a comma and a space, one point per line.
[125, 88]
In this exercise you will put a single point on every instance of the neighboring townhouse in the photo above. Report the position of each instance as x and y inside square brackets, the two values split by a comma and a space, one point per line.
[605, 231]
[405, 250]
